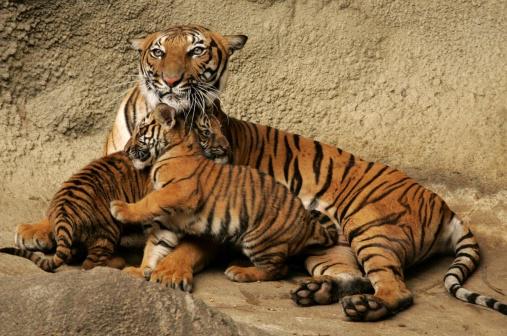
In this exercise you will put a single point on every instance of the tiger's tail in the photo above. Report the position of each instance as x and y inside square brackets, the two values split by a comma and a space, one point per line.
[466, 261]
[61, 256]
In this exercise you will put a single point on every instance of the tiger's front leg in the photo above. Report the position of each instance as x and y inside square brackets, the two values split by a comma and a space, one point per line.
[159, 244]
[190, 256]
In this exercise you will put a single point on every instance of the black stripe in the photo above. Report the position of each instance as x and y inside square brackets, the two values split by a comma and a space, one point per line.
[327, 183]
[472, 297]
[164, 244]
[491, 303]
[288, 159]
[468, 235]
[297, 181]
[275, 138]
[295, 137]
[454, 288]
[464, 254]
[317, 161]
[260, 156]
[473, 246]
[349, 165]
[270, 167]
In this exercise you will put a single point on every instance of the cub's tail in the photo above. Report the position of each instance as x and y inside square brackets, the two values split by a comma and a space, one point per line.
[63, 252]
[48, 264]
[466, 261]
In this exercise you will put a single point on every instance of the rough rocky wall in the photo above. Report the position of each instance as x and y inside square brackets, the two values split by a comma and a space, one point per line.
[419, 85]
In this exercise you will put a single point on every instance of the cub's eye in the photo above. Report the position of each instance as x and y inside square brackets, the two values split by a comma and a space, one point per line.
[197, 51]
[157, 52]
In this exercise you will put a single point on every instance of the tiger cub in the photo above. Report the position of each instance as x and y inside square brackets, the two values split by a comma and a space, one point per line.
[197, 196]
[79, 213]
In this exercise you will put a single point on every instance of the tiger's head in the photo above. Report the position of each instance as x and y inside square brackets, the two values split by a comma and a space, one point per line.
[163, 129]
[184, 66]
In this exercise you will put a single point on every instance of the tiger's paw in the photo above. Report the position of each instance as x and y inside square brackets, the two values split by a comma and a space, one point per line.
[170, 274]
[121, 211]
[364, 307]
[36, 237]
[320, 290]
[136, 272]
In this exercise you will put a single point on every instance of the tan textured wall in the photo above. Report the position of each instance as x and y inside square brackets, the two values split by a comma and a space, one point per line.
[420, 85]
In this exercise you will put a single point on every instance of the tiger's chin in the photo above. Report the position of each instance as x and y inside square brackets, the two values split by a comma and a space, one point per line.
[179, 102]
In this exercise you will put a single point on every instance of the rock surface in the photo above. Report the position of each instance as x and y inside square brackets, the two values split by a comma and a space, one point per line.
[418, 85]
[105, 302]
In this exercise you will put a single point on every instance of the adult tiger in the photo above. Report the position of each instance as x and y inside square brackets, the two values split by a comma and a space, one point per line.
[390, 221]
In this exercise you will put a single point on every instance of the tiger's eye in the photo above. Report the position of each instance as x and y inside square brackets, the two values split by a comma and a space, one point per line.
[157, 53]
[197, 51]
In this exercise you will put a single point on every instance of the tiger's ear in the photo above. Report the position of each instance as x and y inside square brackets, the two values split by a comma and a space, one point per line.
[137, 43]
[165, 115]
[235, 42]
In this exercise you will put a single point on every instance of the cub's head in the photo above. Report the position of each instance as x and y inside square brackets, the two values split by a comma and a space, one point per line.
[185, 66]
[153, 134]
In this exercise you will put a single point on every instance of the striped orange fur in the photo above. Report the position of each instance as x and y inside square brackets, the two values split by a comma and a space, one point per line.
[197, 196]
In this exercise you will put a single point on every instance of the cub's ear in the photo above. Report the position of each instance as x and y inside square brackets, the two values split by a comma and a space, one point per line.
[137, 43]
[235, 42]
[166, 115]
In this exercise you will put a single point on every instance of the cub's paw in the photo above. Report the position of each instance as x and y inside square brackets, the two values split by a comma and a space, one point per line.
[174, 275]
[364, 307]
[35, 237]
[245, 274]
[120, 210]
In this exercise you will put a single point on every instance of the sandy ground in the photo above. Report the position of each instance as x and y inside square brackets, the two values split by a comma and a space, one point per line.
[268, 307]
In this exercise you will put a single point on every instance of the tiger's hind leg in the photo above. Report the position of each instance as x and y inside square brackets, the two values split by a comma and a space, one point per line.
[335, 274]
[382, 252]
[38, 237]
[101, 254]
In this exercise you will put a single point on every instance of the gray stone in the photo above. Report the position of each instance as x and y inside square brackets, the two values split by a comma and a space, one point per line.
[105, 302]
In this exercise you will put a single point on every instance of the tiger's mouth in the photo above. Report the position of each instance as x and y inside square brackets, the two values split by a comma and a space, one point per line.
[195, 97]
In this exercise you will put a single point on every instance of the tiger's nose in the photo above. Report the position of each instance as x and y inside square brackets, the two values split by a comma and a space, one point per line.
[172, 81]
